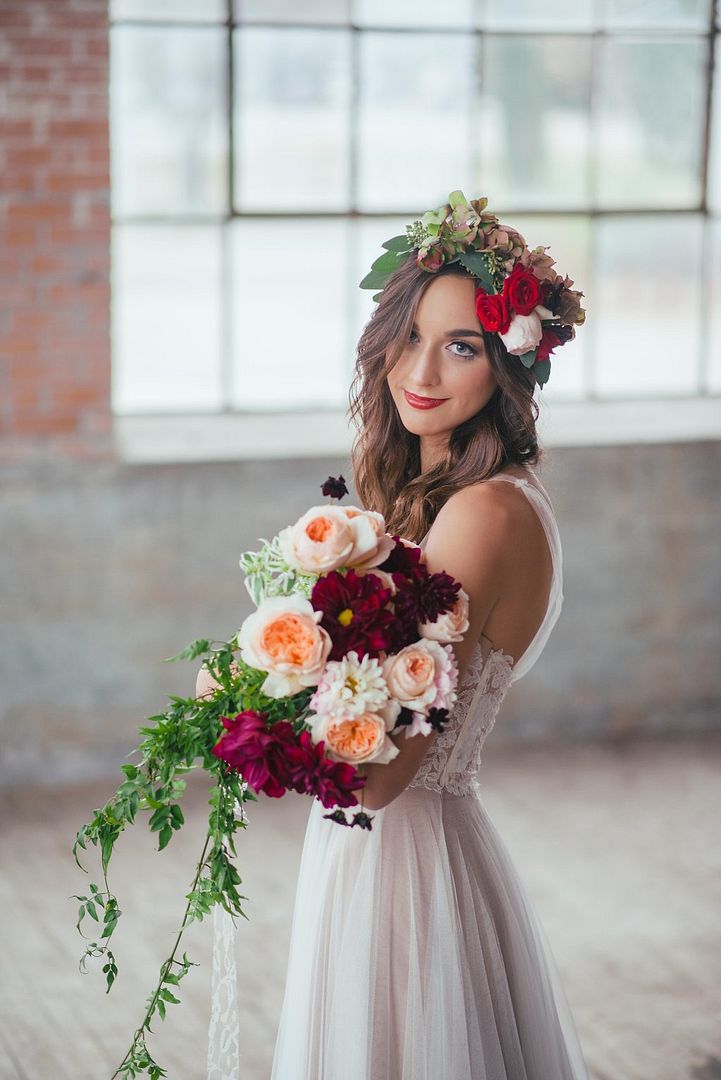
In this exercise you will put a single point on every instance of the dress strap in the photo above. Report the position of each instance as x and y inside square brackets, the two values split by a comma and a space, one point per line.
[537, 495]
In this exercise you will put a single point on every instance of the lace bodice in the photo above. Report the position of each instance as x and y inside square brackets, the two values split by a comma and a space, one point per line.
[453, 760]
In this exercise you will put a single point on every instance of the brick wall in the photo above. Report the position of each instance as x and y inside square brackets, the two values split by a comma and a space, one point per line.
[55, 228]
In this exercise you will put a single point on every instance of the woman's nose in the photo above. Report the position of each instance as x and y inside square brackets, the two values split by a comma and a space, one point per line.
[425, 364]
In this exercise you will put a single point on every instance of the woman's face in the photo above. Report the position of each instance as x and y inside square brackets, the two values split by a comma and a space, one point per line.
[444, 358]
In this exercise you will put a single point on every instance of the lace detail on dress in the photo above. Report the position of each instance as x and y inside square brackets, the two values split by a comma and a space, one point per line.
[453, 760]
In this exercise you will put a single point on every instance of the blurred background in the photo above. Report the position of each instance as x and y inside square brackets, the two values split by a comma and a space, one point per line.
[191, 192]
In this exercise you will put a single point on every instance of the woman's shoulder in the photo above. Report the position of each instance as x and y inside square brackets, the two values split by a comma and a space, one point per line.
[493, 490]
[491, 512]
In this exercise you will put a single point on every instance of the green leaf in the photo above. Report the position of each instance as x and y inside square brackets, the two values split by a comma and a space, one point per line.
[190, 652]
[376, 297]
[388, 261]
[164, 836]
[528, 358]
[374, 279]
[159, 818]
[542, 370]
[476, 264]
[91, 909]
[397, 243]
[131, 771]
[167, 996]
[106, 847]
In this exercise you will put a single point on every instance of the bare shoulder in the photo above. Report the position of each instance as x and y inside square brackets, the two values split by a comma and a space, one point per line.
[493, 522]
[492, 508]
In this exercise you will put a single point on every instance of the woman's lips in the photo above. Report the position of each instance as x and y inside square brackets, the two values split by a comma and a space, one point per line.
[423, 402]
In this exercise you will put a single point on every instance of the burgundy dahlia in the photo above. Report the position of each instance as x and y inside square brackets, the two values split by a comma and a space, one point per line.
[257, 751]
[311, 773]
[402, 559]
[422, 597]
[354, 612]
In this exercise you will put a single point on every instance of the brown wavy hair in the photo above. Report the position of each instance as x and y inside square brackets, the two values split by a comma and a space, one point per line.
[386, 458]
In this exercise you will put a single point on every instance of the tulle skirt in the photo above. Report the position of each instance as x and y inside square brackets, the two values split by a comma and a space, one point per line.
[416, 955]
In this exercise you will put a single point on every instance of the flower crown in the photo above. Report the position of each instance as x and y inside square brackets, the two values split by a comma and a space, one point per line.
[520, 296]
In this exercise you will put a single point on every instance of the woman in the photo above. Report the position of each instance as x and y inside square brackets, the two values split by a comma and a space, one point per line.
[415, 952]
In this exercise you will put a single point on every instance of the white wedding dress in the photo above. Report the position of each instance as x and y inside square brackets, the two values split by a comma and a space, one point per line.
[415, 952]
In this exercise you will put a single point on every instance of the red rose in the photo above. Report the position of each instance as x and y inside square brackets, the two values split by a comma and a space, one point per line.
[492, 311]
[522, 290]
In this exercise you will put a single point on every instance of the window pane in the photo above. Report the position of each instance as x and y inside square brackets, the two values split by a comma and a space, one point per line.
[565, 15]
[714, 295]
[289, 310]
[568, 240]
[413, 13]
[181, 10]
[312, 11]
[657, 14]
[647, 304]
[651, 115]
[291, 119]
[533, 130]
[166, 318]
[414, 123]
[714, 176]
[168, 128]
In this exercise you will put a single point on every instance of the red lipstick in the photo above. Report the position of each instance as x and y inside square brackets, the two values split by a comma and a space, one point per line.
[423, 402]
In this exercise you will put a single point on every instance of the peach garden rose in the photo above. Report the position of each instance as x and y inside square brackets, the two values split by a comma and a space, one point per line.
[420, 677]
[356, 739]
[327, 538]
[283, 638]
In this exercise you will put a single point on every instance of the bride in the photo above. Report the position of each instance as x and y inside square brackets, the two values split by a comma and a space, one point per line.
[415, 951]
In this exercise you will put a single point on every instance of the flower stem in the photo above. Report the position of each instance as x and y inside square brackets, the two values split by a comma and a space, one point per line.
[165, 967]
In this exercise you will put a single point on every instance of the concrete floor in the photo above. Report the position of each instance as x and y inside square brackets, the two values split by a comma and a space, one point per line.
[619, 845]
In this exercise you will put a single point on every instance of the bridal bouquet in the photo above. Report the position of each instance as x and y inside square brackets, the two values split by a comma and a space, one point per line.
[349, 642]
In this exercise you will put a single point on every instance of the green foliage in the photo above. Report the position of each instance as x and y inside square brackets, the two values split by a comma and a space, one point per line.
[174, 743]
[477, 264]
[542, 370]
[268, 573]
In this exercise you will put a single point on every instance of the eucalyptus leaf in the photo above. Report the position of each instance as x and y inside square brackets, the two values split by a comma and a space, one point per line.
[397, 243]
[388, 261]
[374, 279]
[528, 358]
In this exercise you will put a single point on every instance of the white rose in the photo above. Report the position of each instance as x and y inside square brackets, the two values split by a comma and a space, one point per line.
[523, 334]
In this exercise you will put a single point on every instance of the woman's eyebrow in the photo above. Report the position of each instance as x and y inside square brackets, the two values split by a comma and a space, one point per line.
[458, 333]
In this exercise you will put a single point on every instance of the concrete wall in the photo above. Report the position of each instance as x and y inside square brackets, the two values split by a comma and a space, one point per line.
[109, 568]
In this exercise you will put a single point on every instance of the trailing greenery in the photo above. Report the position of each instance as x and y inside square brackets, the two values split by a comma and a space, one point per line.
[175, 743]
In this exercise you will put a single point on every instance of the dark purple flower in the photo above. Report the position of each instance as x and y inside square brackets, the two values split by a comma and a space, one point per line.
[334, 487]
[311, 773]
[422, 597]
[402, 558]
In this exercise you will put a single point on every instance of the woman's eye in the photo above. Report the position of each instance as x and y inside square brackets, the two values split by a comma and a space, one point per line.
[471, 351]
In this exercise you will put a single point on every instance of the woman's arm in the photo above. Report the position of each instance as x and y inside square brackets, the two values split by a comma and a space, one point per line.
[469, 540]
[205, 684]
